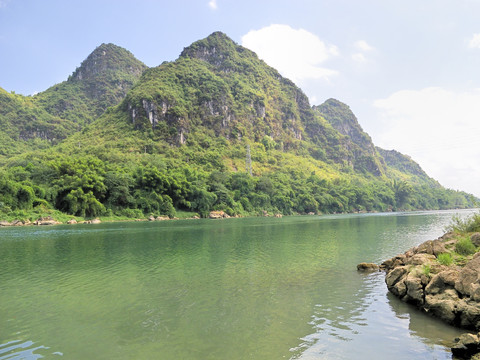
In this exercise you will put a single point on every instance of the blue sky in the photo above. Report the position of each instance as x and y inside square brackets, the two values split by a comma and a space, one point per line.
[409, 70]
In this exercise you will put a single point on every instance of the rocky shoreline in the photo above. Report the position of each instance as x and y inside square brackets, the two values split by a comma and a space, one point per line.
[442, 278]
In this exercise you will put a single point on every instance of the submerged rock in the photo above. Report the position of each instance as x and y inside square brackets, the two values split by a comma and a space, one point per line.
[367, 267]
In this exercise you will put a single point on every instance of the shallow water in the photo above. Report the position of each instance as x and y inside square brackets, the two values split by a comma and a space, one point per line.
[256, 288]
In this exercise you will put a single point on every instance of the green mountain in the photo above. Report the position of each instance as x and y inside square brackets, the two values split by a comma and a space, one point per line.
[216, 129]
[102, 80]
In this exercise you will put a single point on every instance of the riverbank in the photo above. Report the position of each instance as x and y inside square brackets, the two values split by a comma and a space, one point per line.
[442, 278]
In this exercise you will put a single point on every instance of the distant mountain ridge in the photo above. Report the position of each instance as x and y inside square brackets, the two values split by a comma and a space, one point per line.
[187, 134]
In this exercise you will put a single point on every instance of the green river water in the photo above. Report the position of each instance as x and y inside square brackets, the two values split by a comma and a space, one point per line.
[253, 288]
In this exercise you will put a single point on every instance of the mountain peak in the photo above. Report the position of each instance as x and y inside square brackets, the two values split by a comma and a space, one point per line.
[108, 58]
[215, 49]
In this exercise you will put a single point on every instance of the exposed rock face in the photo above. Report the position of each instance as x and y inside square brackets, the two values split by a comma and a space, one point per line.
[451, 293]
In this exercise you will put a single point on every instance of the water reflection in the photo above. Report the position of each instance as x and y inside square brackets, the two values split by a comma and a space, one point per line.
[24, 350]
[234, 289]
[430, 330]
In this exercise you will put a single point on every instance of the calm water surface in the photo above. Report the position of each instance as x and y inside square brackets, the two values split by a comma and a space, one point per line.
[257, 288]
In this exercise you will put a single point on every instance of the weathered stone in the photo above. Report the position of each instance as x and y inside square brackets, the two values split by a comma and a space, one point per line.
[440, 281]
[218, 215]
[71, 221]
[414, 288]
[425, 248]
[421, 259]
[475, 239]
[399, 289]
[367, 267]
[4, 223]
[469, 277]
[438, 247]
[151, 218]
[395, 275]
[469, 314]
[163, 218]
[443, 305]
[95, 221]
[466, 346]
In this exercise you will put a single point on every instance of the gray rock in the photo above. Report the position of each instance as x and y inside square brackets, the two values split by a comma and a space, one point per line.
[468, 281]
[421, 259]
[475, 239]
[395, 275]
[466, 346]
[414, 289]
[367, 267]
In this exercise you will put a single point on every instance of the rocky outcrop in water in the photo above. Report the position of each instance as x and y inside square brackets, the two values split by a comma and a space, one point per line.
[448, 291]
[442, 278]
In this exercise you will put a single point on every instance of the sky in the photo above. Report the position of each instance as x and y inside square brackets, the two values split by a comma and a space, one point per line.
[409, 70]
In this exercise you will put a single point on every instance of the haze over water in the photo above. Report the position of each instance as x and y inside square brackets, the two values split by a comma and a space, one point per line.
[254, 288]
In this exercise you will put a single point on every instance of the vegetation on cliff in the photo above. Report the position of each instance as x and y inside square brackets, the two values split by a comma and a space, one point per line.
[121, 139]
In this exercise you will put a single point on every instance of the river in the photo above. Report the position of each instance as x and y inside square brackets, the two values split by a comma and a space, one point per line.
[252, 288]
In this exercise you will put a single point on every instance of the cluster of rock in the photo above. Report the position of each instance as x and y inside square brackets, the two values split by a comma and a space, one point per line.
[451, 293]
[218, 215]
[158, 218]
[48, 220]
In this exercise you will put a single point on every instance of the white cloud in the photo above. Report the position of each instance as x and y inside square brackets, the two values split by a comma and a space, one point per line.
[296, 54]
[474, 42]
[362, 45]
[362, 48]
[4, 3]
[359, 57]
[211, 3]
[439, 129]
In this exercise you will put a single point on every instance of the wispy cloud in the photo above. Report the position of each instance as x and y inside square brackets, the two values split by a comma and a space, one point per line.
[212, 3]
[362, 45]
[362, 48]
[296, 53]
[474, 42]
[439, 129]
[4, 3]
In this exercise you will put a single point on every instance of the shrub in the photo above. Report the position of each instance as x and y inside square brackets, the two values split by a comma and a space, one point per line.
[426, 269]
[464, 246]
[445, 259]
[470, 224]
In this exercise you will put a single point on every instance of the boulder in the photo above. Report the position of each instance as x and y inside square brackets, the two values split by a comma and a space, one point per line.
[4, 223]
[414, 289]
[421, 259]
[443, 305]
[95, 221]
[475, 239]
[468, 282]
[367, 267]
[441, 281]
[151, 218]
[438, 247]
[46, 221]
[425, 248]
[162, 218]
[395, 275]
[466, 346]
[218, 215]
[71, 221]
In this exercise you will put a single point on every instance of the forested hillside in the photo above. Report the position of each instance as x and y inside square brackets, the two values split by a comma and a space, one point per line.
[216, 129]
